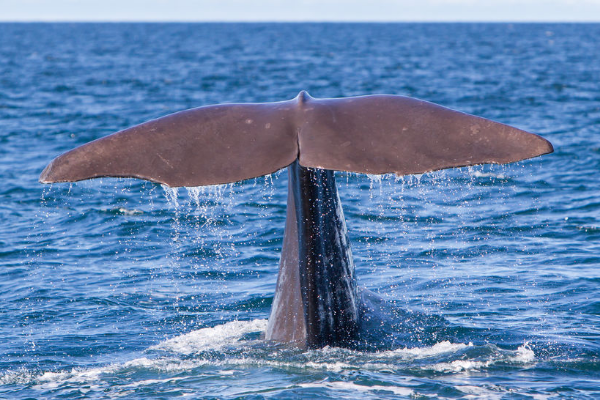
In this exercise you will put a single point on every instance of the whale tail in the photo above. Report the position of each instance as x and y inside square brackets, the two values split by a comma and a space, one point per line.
[316, 300]
[228, 143]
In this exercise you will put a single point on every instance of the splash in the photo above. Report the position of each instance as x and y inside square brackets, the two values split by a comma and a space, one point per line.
[523, 355]
[227, 351]
[437, 349]
[215, 338]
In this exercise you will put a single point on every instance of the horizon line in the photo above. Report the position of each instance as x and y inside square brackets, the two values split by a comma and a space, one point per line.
[84, 21]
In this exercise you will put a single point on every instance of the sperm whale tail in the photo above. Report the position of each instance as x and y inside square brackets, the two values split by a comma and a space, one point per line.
[316, 300]
[232, 142]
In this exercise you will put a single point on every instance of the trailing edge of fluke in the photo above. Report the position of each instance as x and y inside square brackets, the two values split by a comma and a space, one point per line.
[231, 142]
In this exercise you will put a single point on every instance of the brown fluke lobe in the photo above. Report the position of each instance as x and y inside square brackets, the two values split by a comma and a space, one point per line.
[394, 134]
[202, 146]
[227, 143]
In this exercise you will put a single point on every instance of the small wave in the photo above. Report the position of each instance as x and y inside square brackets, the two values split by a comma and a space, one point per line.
[185, 354]
[523, 355]
[214, 338]
[469, 391]
[129, 212]
[351, 386]
[424, 352]
[76, 375]
[18, 377]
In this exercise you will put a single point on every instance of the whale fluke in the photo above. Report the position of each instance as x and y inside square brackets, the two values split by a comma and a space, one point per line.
[232, 142]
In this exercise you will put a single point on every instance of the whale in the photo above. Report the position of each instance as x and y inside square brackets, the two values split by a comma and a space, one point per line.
[317, 301]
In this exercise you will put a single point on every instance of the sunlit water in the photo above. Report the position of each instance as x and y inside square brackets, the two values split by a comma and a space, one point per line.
[485, 279]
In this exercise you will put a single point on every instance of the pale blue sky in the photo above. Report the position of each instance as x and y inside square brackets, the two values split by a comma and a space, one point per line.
[300, 10]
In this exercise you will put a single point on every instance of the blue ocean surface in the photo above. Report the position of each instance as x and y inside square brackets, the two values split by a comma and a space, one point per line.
[489, 276]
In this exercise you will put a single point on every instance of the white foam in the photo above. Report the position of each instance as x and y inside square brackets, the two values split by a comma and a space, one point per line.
[163, 364]
[230, 335]
[424, 352]
[75, 375]
[350, 386]
[92, 377]
[325, 366]
[523, 355]
[460, 366]
[126, 211]
[53, 380]
[214, 338]
[18, 377]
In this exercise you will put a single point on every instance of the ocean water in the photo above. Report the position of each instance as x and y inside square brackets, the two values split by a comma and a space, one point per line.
[488, 277]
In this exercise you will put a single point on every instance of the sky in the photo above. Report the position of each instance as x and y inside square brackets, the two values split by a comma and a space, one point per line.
[302, 10]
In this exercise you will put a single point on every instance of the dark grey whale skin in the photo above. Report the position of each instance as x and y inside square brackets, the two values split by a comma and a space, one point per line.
[317, 302]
